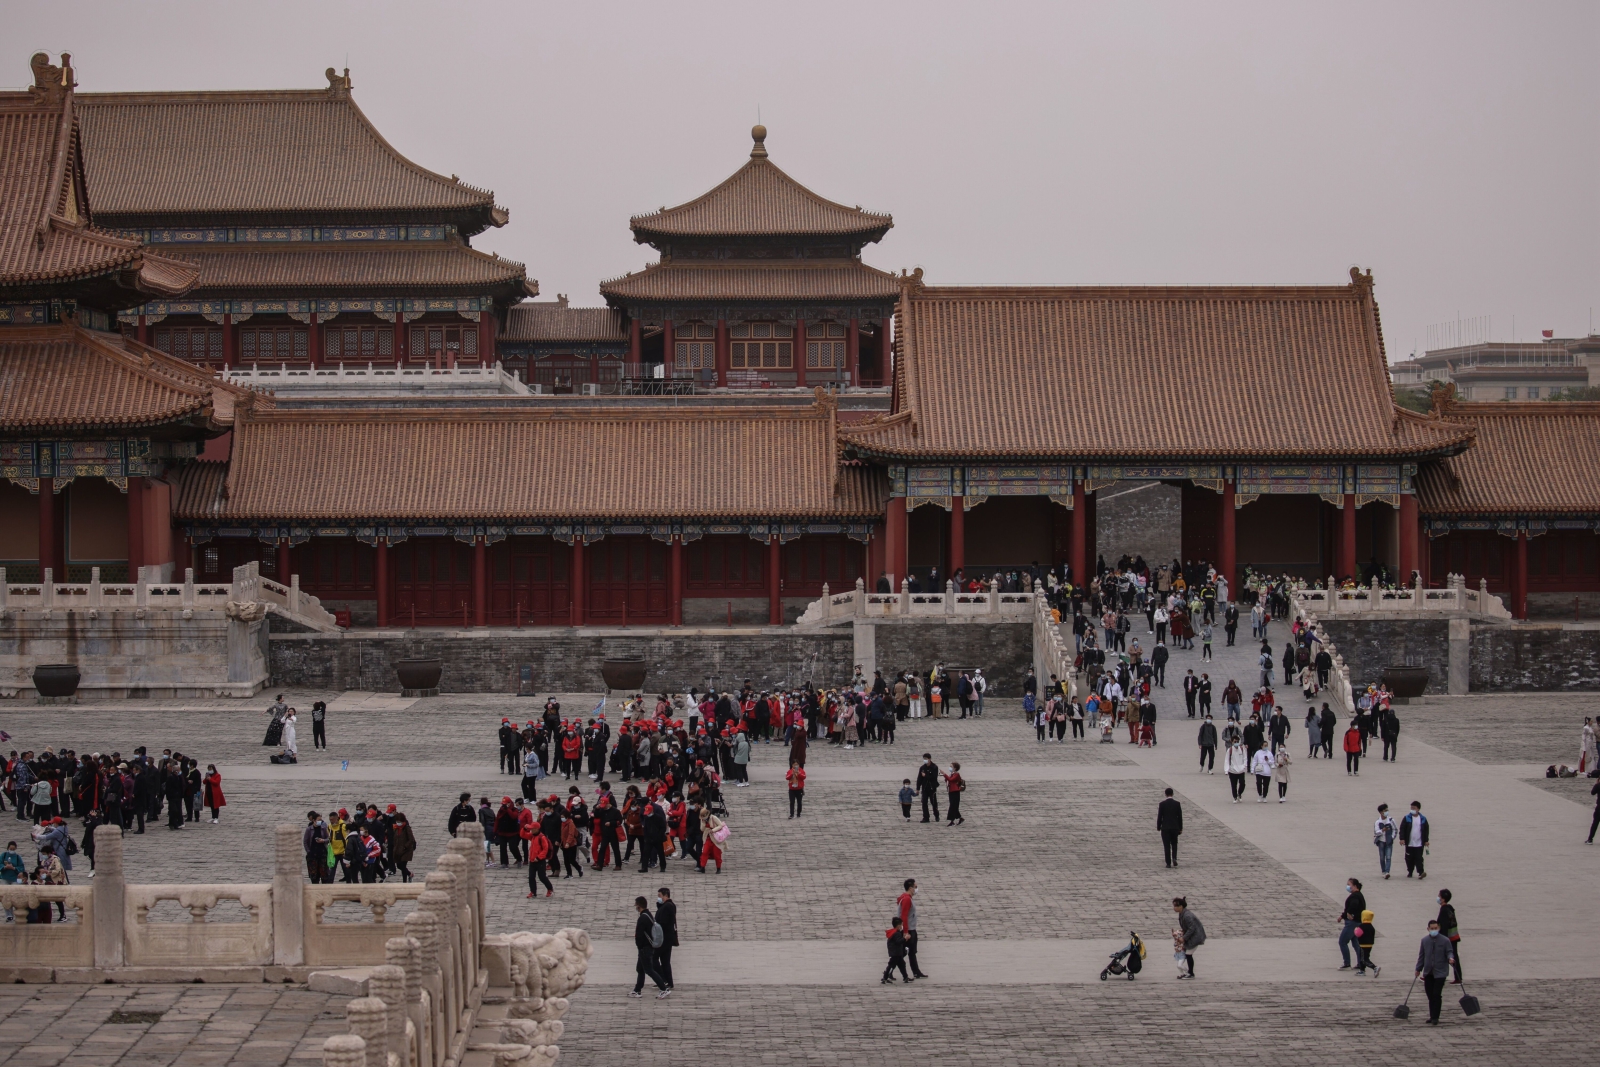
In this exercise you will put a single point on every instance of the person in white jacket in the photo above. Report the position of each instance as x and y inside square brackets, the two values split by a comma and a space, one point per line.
[1236, 764]
[1261, 766]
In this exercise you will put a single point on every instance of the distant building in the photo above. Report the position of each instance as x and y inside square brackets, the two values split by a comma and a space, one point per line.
[1504, 370]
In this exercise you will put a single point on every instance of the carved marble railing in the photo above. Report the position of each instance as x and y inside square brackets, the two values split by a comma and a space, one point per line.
[838, 609]
[1455, 597]
[249, 596]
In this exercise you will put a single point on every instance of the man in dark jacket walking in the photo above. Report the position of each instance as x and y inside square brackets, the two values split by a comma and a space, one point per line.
[1414, 836]
[928, 786]
[654, 837]
[1433, 967]
[667, 919]
[1169, 823]
[644, 939]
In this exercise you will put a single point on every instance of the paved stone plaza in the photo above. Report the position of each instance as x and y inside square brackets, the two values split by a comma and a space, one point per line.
[1018, 908]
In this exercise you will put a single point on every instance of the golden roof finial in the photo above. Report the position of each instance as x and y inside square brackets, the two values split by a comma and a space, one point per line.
[758, 133]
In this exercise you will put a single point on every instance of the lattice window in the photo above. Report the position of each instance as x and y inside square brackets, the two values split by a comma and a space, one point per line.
[433, 341]
[359, 343]
[764, 350]
[694, 346]
[273, 344]
[197, 344]
[825, 346]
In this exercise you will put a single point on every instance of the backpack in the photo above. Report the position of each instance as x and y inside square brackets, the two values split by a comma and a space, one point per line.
[657, 935]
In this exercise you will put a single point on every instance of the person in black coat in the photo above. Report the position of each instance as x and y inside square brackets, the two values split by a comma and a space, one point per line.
[172, 785]
[654, 836]
[646, 967]
[667, 917]
[1169, 823]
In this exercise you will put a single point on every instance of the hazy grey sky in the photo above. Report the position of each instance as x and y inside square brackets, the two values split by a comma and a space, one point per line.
[1450, 147]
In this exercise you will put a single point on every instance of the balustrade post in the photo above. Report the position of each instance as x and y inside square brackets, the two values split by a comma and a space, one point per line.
[5, 590]
[949, 596]
[368, 1020]
[1375, 597]
[1483, 596]
[141, 590]
[388, 984]
[108, 893]
[294, 594]
[188, 587]
[422, 927]
[344, 1050]
[1333, 595]
[827, 602]
[94, 587]
[437, 903]
[288, 907]
[406, 953]
[861, 596]
[994, 596]
[47, 589]
[905, 596]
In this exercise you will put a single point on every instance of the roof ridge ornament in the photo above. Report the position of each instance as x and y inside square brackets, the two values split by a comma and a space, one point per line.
[758, 134]
[338, 82]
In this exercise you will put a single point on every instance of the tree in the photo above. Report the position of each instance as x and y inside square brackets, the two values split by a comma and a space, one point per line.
[1413, 399]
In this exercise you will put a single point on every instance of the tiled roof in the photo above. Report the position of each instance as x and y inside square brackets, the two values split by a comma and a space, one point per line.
[1539, 457]
[284, 154]
[759, 200]
[1230, 373]
[826, 280]
[45, 236]
[379, 267]
[200, 489]
[557, 322]
[533, 464]
[63, 377]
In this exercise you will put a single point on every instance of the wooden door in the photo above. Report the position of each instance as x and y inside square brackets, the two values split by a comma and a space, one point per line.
[528, 582]
[433, 579]
[627, 580]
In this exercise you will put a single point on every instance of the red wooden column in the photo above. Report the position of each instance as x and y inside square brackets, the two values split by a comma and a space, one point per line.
[580, 581]
[800, 352]
[894, 526]
[875, 561]
[885, 354]
[1408, 537]
[1347, 538]
[136, 553]
[1227, 538]
[1519, 582]
[314, 341]
[480, 582]
[635, 345]
[958, 536]
[722, 353]
[49, 531]
[675, 577]
[142, 333]
[283, 562]
[668, 349]
[774, 587]
[1078, 535]
[230, 342]
[852, 350]
[381, 576]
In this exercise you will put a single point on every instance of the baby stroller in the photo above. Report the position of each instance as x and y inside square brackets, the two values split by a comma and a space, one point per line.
[1133, 954]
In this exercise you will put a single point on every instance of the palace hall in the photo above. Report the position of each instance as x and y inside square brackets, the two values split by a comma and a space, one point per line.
[757, 414]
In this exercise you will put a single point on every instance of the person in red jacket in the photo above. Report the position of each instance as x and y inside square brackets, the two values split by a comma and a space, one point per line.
[797, 788]
[908, 923]
[957, 786]
[1352, 750]
[538, 853]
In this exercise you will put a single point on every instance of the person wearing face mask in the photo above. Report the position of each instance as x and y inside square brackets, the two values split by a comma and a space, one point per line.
[1354, 905]
[1433, 967]
[667, 917]
[1384, 832]
[1414, 835]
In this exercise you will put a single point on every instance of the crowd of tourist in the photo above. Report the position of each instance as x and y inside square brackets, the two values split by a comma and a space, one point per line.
[47, 788]
[367, 846]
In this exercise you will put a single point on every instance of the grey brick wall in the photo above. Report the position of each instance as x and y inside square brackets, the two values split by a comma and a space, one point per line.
[565, 661]
[1004, 650]
[1535, 658]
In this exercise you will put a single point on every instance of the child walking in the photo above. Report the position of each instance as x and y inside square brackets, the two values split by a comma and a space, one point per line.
[1366, 933]
[907, 795]
[897, 954]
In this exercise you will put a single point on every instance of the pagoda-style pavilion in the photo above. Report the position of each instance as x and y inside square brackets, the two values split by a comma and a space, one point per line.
[1521, 508]
[532, 514]
[93, 425]
[1270, 406]
[315, 241]
[760, 284]
[565, 350]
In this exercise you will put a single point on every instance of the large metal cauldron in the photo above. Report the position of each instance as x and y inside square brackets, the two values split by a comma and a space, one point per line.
[624, 674]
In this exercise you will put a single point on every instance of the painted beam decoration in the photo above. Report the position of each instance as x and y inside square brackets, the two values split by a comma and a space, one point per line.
[300, 309]
[116, 460]
[566, 533]
[981, 483]
[1209, 476]
[1510, 527]
[288, 234]
[49, 312]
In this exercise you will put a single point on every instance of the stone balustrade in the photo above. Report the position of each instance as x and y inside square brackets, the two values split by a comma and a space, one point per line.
[1455, 597]
[838, 609]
